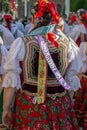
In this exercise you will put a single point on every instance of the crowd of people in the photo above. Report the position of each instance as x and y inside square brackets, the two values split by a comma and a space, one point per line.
[43, 70]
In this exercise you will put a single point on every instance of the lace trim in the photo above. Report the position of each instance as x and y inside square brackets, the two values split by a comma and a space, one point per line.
[53, 96]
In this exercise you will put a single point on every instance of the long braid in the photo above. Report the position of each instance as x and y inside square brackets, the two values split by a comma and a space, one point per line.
[8, 24]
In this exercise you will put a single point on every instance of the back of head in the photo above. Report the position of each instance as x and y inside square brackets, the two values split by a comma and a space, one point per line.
[82, 14]
[45, 11]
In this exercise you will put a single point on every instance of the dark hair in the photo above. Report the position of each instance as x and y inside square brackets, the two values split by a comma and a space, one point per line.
[8, 23]
[30, 19]
[80, 12]
[59, 8]
[46, 19]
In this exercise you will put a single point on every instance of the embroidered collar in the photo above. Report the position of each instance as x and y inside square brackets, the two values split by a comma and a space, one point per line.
[42, 30]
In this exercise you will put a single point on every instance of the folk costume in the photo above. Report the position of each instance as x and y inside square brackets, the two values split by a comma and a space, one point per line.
[7, 36]
[42, 102]
[78, 33]
[13, 28]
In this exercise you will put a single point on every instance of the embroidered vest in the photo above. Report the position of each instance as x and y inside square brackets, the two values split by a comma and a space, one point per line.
[31, 60]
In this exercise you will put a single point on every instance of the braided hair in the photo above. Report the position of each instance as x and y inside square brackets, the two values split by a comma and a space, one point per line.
[8, 23]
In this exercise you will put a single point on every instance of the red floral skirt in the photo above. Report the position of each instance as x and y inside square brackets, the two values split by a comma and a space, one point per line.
[81, 104]
[54, 114]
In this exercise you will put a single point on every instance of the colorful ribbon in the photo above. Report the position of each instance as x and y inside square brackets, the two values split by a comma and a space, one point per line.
[50, 61]
[42, 78]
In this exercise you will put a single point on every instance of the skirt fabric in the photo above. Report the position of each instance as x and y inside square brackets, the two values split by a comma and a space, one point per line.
[81, 104]
[54, 114]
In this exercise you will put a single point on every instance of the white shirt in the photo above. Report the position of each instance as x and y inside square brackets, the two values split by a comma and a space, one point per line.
[8, 37]
[76, 31]
[28, 27]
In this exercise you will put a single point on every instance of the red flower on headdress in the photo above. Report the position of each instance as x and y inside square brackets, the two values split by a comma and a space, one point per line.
[73, 18]
[56, 16]
[46, 6]
[42, 7]
[53, 38]
[84, 18]
[6, 16]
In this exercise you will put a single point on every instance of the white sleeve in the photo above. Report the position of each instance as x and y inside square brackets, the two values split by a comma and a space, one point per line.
[82, 29]
[4, 53]
[73, 69]
[66, 28]
[12, 67]
[8, 37]
[74, 33]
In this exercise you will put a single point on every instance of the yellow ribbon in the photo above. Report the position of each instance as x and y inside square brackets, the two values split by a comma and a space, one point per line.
[42, 76]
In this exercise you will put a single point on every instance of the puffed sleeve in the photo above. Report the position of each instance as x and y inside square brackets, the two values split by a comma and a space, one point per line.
[74, 68]
[4, 53]
[12, 67]
[75, 33]
[8, 37]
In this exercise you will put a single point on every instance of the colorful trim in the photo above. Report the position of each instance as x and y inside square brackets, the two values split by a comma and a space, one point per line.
[42, 76]
[32, 48]
[51, 63]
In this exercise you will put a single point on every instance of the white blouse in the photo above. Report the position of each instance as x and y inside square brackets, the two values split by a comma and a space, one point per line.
[74, 68]
[16, 54]
[76, 31]
[12, 67]
[8, 37]
[4, 53]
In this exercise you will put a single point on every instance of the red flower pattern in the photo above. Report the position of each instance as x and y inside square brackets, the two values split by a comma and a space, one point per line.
[43, 116]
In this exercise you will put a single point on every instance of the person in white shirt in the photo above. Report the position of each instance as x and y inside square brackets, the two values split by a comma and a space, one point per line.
[20, 25]
[78, 33]
[28, 26]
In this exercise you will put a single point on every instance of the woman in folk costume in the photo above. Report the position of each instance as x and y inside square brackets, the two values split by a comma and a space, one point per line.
[78, 33]
[3, 55]
[5, 30]
[8, 23]
[81, 96]
[42, 102]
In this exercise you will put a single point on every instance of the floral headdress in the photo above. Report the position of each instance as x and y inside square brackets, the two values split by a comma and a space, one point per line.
[39, 8]
[82, 14]
[9, 17]
[73, 18]
[48, 6]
